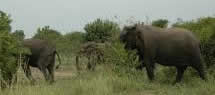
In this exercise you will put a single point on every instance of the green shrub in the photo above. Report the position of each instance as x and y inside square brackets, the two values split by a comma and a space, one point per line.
[100, 30]
[123, 62]
[71, 42]
[19, 35]
[46, 33]
[8, 62]
[162, 23]
[9, 51]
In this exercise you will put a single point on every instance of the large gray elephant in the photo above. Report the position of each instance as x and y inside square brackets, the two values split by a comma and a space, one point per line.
[42, 56]
[170, 47]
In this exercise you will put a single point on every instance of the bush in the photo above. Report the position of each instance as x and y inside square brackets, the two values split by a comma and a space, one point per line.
[100, 30]
[123, 62]
[9, 51]
[19, 35]
[8, 62]
[162, 23]
[46, 33]
[71, 42]
[10, 48]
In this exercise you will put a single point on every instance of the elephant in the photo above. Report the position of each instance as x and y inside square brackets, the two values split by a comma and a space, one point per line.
[42, 56]
[93, 52]
[176, 47]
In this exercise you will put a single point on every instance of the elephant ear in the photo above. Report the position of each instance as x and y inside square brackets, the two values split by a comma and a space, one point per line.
[139, 36]
[127, 32]
[122, 36]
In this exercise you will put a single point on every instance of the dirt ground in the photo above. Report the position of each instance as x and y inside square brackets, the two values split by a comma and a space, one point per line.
[64, 72]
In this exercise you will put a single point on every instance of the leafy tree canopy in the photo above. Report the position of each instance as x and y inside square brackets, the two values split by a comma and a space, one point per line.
[100, 30]
[46, 33]
[19, 34]
[162, 23]
[5, 22]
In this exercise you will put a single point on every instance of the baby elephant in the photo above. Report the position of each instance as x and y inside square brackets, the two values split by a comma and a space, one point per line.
[169, 47]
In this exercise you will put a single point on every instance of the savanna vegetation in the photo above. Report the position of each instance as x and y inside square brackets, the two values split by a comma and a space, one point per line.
[115, 75]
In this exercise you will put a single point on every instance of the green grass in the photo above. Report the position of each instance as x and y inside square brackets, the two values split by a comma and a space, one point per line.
[103, 81]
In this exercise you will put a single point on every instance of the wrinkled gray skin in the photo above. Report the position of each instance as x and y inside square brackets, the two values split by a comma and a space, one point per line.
[42, 57]
[168, 47]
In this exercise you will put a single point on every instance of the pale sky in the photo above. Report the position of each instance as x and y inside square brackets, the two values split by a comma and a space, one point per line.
[71, 15]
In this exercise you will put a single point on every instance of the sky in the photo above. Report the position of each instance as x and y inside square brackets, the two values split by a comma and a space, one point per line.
[71, 15]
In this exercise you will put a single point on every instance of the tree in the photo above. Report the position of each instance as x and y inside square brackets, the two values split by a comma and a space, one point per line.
[75, 36]
[46, 33]
[5, 22]
[8, 48]
[162, 23]
[71, 42]
[100, 30]
[19, 34]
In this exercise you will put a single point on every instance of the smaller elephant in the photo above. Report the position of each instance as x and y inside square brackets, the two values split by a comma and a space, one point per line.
[169, 47]
[42, 56]
[93, 52]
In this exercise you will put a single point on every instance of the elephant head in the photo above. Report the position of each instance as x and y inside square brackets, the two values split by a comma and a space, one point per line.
[129, 37]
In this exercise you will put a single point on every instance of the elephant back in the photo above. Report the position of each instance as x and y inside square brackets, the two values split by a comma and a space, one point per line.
[38, 45]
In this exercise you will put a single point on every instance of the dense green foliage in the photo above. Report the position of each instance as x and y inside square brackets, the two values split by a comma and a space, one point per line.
[123, 61]
[66, 44]
[71, 42]
[19, 34]
[46, 33]
[162, 23]
[100, 30]
[5, 22]
[8, 50]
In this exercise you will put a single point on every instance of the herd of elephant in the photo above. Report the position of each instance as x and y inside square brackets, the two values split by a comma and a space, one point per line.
[169, 47]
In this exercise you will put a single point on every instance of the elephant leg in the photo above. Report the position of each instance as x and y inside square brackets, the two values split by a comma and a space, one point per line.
[150, 69]
[200, 70]
[140, 67]
[180, 72]
[89, 64]
[51, 70]
[27, 71]
[77, 63]
[51, 73]
[45, 73]
[93, 61]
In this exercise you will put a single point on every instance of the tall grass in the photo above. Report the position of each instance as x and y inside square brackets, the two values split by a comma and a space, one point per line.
[103, 81]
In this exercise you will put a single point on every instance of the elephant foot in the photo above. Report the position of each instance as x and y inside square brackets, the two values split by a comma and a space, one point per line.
[139, 67]
[176, 82]
[33, 82]
[51, 82]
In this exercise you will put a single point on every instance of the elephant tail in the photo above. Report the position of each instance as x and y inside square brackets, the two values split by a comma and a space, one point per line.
[58, 59]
